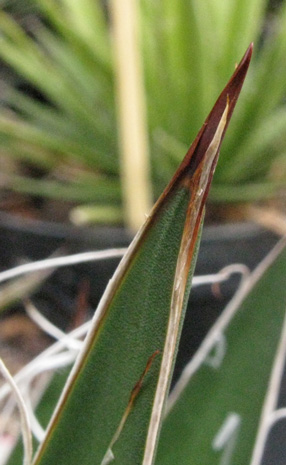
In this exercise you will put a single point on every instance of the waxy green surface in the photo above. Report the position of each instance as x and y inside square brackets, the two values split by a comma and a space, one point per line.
[132, 319]
[134, 329]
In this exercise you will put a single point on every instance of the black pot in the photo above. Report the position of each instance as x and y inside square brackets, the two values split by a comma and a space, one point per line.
[220, 246]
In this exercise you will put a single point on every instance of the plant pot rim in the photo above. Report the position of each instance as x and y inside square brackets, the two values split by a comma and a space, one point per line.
[211, 232]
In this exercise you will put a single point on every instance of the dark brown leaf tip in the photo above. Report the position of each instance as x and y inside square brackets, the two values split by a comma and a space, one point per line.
[196, 170]
[231, 91]
[229, 96]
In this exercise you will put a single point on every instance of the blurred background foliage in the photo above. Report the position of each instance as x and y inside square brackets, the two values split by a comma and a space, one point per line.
[58, 120]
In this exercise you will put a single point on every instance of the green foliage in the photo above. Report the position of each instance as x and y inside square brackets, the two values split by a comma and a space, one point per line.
[111, 409]
[139, 319]
[188, 50]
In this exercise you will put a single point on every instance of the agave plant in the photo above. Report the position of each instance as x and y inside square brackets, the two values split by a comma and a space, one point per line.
[113, 406]
[187, 51]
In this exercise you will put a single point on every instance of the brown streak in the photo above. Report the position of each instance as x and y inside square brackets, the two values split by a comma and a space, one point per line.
[138, 385]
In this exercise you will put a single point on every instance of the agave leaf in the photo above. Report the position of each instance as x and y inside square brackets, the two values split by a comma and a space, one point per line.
[215, 407]
[140, 314]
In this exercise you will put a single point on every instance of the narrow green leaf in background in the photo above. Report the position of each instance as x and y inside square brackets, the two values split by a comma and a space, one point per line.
[140, 314]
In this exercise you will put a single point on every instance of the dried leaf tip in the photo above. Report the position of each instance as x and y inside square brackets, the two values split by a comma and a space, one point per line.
[227, 98]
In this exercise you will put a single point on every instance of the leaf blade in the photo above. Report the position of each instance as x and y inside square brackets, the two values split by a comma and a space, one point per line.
[132, 319]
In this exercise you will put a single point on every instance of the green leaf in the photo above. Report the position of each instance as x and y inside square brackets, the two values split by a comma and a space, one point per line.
[216, 407]
[116, 393]
[16, 132]
[250, 192]
[85, 188]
